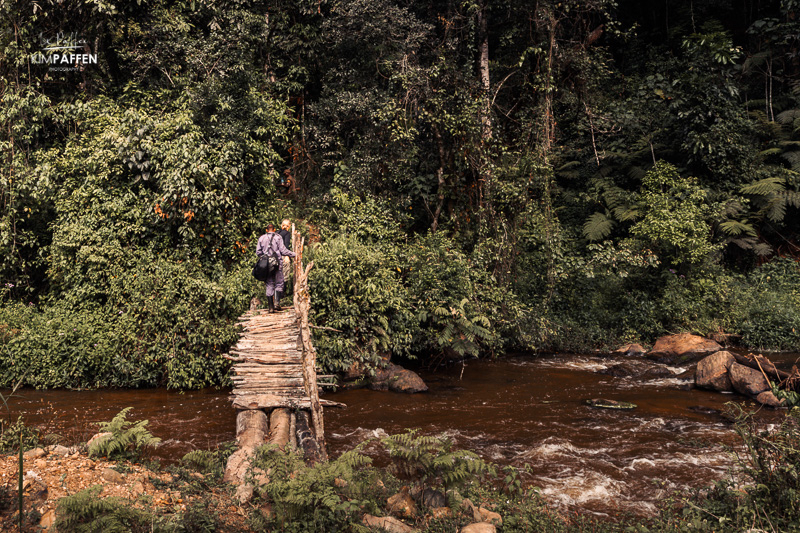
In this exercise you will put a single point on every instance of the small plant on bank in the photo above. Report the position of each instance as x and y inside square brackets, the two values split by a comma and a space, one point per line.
[328, 496]
[765, 496]
[209, 462]
[86, 512]
[10, 437]
[433, 460]
[124, 439]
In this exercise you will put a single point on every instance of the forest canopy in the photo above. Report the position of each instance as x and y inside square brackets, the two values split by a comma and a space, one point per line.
[478, 176]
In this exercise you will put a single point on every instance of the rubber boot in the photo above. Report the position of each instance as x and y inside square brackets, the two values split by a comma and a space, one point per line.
[278, 296]
[271, 304]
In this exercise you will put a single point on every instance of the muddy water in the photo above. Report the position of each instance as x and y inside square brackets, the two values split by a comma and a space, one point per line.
[519, 411]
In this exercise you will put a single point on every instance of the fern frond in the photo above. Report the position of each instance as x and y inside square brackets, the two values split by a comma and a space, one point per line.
[770, 151]
[788, 116]
[568, 166]
[735, 228]
[636, 173]
[776, 209]
[792, 198]
[765, 187]
[762, 249]
[126, 439]
[627, 213]
[597, 227]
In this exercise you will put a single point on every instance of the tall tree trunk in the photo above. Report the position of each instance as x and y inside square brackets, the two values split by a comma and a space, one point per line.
[440, 178]
[483, 67]
[548, 135]
[485, 118]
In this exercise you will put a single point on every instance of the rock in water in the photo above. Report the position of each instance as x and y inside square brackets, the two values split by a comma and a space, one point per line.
[398, 379]
[680, 348]
[609, 404]
[408, 381]
[620, 370]
[630, 350]
[769, 399]
[747, 381]
[712, 372]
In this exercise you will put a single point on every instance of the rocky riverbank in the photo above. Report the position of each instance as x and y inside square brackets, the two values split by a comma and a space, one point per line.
[55, 478]
[751, 375]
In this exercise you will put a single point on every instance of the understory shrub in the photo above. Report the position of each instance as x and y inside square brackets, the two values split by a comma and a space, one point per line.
[356, 290]
[458, 306]
[326, 497]
[10, 436]
[700, 301]
[768, 308]
[163, 322]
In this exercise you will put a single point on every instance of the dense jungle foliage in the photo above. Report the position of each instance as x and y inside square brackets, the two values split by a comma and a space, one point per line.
[481, 175]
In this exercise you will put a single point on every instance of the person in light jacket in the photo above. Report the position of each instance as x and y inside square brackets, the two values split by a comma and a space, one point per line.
[272, 243]
[288, 278]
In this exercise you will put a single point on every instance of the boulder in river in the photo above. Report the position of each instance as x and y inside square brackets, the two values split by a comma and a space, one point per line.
[398, 379]
[682, 348]
[630, 350]
[769, 399]
[748, 381]
[405, 380]
[601, 403]
[712, 372]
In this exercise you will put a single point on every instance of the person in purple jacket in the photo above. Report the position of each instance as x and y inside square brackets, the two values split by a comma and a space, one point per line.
[272, 243]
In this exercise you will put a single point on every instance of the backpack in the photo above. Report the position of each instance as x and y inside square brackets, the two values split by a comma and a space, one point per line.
[266, 265]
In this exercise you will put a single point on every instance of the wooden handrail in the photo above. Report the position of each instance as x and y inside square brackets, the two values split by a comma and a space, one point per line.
[302, 304]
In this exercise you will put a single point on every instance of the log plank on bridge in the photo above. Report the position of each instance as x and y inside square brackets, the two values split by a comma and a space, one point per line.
[273, 401]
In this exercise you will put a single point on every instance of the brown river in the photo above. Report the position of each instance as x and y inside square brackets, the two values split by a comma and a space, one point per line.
[525, 410]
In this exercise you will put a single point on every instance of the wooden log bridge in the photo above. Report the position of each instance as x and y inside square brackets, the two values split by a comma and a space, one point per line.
[275, 383]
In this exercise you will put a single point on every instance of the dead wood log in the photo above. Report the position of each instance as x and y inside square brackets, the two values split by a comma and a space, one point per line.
[279, 425]
[251, 432]
[306, 440]
[293, 429]
[761, 363]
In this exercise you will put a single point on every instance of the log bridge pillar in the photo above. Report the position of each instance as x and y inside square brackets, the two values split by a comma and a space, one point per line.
[275, 387]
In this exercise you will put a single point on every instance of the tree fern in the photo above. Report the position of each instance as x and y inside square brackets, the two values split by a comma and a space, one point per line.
[772, 197]
[737, 228]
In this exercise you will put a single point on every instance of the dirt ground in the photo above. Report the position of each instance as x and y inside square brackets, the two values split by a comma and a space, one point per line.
[54, 472]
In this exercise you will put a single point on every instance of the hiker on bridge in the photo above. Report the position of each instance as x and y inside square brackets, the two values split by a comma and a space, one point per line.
[272, 243]
[286, 233]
